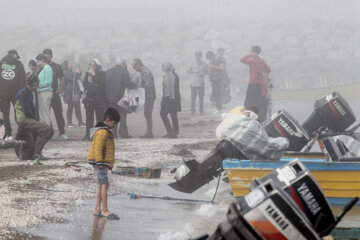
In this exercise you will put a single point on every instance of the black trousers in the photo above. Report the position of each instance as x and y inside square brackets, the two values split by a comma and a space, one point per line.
[56, 105]
[217, 93]
[90, 109]
[195, 91]
[5, 108]
[121, 128]
[71, 106]
[167, 107]
[255, 99]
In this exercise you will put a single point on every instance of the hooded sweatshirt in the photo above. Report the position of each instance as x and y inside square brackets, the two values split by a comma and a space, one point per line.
[102, 148]
[12, 77]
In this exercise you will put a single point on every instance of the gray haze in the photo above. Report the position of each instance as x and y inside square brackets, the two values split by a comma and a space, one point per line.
[24, 12]
[307, 43]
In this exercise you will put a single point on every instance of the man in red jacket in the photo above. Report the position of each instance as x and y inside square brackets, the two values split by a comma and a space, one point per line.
[258, 81]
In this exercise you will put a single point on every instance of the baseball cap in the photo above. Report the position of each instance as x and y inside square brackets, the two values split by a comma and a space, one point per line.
[13, 51]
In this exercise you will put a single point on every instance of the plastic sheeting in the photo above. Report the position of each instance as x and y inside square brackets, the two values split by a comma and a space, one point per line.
[249, 137]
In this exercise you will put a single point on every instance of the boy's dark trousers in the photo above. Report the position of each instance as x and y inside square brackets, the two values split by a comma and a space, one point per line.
[56, 105]
[70, 109]
[5, 108]
[194, 92]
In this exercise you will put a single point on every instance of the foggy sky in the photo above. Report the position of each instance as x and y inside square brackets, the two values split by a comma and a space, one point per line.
[34, 12]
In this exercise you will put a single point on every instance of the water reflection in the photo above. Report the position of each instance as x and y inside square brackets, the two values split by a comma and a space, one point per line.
[98, 228]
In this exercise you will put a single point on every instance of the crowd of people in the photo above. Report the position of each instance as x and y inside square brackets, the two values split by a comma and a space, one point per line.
[99, 89]
[111, 95]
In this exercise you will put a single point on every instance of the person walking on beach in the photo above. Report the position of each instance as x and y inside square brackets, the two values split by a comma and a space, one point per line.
[170, 103]
[197, 71]
[58, 86]
[101, 157]
[147, 82]
[256, 94]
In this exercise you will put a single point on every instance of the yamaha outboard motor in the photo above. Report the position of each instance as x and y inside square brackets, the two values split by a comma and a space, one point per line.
[267, 212]
[332, 112]
[296, 180]
[282, 124]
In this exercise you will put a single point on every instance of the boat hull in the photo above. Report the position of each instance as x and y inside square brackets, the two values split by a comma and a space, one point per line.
[339, 181]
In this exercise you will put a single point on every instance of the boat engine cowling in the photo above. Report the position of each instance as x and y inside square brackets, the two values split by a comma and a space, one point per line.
[283, 124]
[331, 111]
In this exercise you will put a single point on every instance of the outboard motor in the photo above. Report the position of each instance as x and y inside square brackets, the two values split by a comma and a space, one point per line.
[296, 180]
[287, 204]
[282, 124]
[332, 112]
[203, 171]
[267, 212]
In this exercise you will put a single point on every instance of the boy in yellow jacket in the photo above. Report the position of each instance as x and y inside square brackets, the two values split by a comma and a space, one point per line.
[101, 156]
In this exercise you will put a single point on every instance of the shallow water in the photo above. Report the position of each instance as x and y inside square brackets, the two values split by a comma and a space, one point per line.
[142, 218]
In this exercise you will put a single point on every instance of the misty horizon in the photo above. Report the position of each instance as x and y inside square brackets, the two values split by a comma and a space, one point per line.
[65, 12]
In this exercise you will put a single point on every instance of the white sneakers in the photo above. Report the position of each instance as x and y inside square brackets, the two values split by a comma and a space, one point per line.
[9, 138]
[64, 137]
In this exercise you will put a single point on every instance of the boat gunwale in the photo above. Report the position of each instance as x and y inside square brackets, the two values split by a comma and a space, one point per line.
[230, 164]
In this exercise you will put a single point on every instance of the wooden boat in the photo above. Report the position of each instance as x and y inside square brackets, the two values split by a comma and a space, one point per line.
[340, 181]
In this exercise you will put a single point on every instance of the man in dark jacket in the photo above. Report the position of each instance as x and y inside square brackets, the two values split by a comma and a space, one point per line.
[12, 79]
[56, 105]
[27, 117]
[117, 79]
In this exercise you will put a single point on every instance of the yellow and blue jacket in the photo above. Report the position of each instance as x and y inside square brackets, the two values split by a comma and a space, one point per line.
[102, 150]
